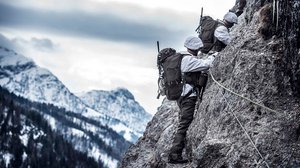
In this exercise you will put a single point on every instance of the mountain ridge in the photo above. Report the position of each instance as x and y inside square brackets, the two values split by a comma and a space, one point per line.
[119, 104]
[88, 130]
[22, 76]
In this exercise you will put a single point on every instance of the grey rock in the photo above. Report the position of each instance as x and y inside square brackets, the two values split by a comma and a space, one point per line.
[265, 70]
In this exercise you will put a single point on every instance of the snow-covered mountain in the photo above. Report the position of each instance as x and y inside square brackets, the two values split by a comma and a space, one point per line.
[119, 104]
[23, 77]
[89, 130]
[86, 136]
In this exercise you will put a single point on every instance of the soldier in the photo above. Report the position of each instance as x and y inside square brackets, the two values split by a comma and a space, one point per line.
[215, 33]
[222, 31]
[187, 101]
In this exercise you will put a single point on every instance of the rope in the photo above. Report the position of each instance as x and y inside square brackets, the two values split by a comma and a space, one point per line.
[241, 95]
[239, 122]
[248, 136]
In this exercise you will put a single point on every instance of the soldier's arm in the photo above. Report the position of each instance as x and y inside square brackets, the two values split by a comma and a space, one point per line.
[193, 64]
[222, 34]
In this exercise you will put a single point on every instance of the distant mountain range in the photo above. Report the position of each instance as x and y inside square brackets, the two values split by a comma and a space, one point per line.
[94, 113]
[118, 104]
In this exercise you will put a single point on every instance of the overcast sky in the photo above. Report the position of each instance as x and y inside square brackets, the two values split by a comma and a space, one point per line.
[103, 44]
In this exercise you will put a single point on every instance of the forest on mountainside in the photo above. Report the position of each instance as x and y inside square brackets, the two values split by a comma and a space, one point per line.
[26, 139]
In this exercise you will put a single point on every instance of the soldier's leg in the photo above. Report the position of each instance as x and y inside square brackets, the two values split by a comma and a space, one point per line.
[187, 107]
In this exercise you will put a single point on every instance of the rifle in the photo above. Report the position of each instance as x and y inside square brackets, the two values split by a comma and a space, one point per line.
[202, 81]
[159, 71]
[199, 27]
[158, 65]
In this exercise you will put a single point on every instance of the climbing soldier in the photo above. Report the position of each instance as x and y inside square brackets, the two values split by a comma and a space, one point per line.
[215, 33]
[190, 65]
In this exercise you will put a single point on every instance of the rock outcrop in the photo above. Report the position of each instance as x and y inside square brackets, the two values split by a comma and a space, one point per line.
[262, 64]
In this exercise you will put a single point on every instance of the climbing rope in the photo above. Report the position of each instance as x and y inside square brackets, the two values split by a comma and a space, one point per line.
[241, 95]
[239, 122]
[248, 136]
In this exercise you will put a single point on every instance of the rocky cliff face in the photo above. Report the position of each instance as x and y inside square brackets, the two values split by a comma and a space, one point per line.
[262, 64]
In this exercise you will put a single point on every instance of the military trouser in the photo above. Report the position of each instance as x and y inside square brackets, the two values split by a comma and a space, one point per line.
[187, 108]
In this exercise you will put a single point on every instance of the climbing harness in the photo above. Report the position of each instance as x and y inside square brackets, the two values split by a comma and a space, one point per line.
[248, 136]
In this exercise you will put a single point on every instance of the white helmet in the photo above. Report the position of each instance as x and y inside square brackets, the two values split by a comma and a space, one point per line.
[231, 17]
[193, 43]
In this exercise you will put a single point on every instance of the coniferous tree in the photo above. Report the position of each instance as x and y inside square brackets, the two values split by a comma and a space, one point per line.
[16, 147]
[17, 151]
[44, 147]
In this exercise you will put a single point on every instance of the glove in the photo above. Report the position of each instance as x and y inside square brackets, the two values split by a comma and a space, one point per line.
[215, 54]
[238, 12]
[211, 59]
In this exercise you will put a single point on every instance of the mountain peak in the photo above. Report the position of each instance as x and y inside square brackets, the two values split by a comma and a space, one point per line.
[11, 58]
[120, 104]
[118, 112]
[123, 92]
[23, 77]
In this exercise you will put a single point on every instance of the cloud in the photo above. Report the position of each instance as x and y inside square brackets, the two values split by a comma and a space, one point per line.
[40, 44]
[44, 44]
[7, 43]
[21, 45]
[83, 24]
[103, 44]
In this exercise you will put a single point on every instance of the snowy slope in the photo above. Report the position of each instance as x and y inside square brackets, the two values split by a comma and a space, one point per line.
[32, 128]
[23, 77]
[119, 104]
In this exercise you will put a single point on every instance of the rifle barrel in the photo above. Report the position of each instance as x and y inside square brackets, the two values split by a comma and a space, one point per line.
[197, 29]
[201, 11]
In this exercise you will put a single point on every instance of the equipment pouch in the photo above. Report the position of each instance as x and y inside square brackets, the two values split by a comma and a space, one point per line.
[161, 87]
[203, 79]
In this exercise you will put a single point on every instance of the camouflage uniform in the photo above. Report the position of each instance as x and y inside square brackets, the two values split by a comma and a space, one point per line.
[187, 108]
[187, 103]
